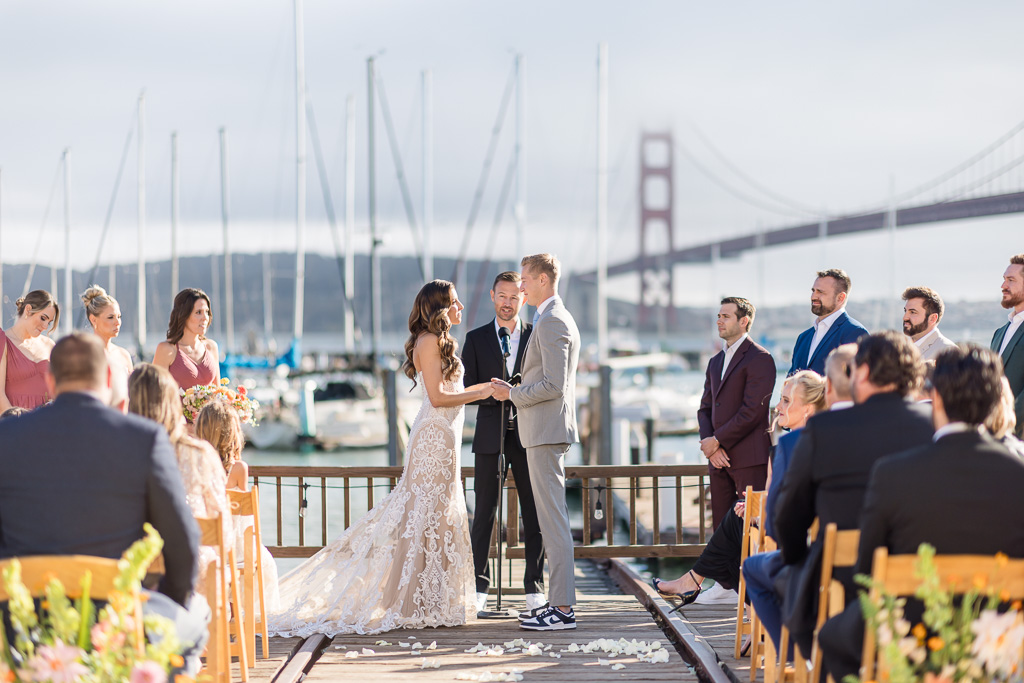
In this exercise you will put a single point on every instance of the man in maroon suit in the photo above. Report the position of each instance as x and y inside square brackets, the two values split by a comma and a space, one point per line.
[733, 415]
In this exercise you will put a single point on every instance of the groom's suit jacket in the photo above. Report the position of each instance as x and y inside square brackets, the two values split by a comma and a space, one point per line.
[546, 399]
[79, 478]
[1013, 366]
[482, 359]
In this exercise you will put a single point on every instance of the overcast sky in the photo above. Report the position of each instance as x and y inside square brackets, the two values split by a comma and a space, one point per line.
[830, 106]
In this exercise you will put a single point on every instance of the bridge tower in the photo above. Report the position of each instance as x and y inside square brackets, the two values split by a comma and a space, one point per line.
[657, 311]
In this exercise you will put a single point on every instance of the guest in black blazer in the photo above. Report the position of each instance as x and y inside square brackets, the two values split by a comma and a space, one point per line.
[828, 473]
[482, 357]
[960, 494]
[78, 477]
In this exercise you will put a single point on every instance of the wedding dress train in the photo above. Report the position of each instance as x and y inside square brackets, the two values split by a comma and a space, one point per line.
[408, 562]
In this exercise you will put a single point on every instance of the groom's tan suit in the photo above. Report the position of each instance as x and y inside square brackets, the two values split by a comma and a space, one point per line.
[546, 400]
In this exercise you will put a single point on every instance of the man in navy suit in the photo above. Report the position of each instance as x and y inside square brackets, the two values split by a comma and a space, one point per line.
[79, 478]
[833, 326]
[482, 356]
[733, 413]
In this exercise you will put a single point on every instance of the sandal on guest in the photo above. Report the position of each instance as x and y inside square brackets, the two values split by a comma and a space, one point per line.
[684, 598]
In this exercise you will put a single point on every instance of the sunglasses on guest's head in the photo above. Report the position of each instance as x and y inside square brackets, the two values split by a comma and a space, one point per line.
[848, 369]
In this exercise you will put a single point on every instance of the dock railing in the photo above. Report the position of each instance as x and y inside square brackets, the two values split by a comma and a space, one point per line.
[305, 502]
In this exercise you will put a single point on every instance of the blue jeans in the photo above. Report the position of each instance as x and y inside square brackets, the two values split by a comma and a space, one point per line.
[760, 572]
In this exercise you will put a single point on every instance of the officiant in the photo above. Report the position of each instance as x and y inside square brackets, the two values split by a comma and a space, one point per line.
[502, 340]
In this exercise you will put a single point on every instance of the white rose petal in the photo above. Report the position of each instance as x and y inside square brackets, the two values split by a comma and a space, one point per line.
[430, 664]
[616, 667]
[432, 646]
[604, 662]
[351, 655]
[547, 647]
[368, 651]
[555, 655]
[412, 637]
[533, 650]
[382, 642]
[403, 645]
[340, 647]
[417, 646]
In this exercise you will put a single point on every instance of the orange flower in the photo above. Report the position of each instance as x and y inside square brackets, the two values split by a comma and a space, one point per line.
[935, 643]
[1015, 605]
[1002, 559]
[1004, 595]
[7, 676]
[182, 678]
[954, 580]
[177, 661]
[919, 632]
[980, 581]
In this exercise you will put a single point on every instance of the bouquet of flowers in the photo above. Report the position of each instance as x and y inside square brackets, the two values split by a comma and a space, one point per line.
[966, 642]
[194, 398]
[70, 642]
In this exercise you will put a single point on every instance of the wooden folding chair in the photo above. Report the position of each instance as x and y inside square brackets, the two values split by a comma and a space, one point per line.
[246, 503]
[840, 551]
[221, 593]
[895, 574]
[38, 570]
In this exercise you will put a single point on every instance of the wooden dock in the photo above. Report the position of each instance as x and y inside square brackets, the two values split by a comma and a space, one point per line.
[608, 611]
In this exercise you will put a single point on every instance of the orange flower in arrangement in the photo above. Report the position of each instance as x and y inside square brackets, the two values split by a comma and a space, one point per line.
[194, 398]
[936, 643]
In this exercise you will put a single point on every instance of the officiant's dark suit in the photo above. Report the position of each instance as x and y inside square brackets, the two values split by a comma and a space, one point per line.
[960, 494]
[483, 360]
[1013, 366]
[734, 409]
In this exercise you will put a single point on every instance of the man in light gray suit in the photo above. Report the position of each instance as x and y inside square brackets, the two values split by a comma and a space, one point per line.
[546, 400]
[921, 316]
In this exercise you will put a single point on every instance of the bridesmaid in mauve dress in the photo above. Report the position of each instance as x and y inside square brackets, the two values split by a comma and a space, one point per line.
[25, 352]
[191, 358]
[104, 315]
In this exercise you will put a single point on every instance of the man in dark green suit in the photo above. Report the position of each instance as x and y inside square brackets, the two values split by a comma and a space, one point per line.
[1007, 339]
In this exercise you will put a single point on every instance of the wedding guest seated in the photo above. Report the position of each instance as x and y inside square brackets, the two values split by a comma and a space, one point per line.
[803, 395]
[78, 477]
[218, 424]
[828, 473]
[761, 570]
[960, 493]
[153, 394]
[1002, 421]
[25, 351]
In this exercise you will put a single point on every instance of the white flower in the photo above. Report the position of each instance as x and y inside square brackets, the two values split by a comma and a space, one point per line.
[533, 650]
[432, 646]
[417, 646]
[351, 655]
[382, 642]
[368, 651]
[997, 641]
[617, 666]
[429, 664]
[403, 645]
[604, 662]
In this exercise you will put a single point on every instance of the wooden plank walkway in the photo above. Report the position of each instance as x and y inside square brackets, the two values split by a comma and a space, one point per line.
[716, 626]
[604, 612]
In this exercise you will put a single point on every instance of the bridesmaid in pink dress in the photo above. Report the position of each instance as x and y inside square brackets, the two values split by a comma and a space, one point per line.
[191, 358]
[25, 352]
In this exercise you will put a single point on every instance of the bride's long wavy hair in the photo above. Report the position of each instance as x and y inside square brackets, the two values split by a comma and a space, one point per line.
[430, 314]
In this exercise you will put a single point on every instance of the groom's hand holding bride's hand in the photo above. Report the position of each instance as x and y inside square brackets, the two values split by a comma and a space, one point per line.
[484, 390]
[501, 389]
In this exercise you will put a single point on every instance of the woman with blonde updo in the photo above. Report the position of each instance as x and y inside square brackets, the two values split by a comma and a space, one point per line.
[153, 394]
[803, 395]
[407, 563]
[104, 315]
[218, 424]
[25, 352]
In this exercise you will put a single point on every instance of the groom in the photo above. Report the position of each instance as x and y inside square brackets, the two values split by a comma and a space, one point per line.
[546, 400]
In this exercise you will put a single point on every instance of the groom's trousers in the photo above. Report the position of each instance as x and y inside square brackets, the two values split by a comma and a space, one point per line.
[485, 485]
[547, 475]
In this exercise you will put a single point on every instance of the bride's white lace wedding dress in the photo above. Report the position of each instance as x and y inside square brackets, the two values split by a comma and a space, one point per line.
[408, 562]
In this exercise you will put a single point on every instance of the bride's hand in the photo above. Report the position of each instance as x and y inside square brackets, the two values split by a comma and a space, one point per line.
[484, 389]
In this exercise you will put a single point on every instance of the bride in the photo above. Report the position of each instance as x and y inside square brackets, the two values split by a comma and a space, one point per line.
[407, 563]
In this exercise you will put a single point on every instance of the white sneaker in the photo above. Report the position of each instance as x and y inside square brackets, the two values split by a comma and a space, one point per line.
[481, 602]
[535, 600]
[717, 595]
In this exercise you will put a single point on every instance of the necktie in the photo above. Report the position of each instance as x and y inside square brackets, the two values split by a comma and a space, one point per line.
[536, 317]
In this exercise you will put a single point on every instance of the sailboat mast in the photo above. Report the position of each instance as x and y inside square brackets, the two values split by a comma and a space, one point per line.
[141, 331]
[602, 202]
[350, 219]
[229, 298]
[375, 310]
[68, 323]
[175, 199]
[300, 172]
[428, 173]
[519, 207]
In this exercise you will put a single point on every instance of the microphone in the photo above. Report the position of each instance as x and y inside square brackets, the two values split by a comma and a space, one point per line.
[504, 336]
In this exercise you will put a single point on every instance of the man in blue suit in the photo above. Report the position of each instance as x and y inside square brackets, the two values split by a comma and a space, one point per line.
[833, 327]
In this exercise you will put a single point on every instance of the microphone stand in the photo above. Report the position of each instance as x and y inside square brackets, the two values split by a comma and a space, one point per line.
[499, 613]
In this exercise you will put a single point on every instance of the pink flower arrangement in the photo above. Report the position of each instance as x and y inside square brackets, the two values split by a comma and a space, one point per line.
[194, 398]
